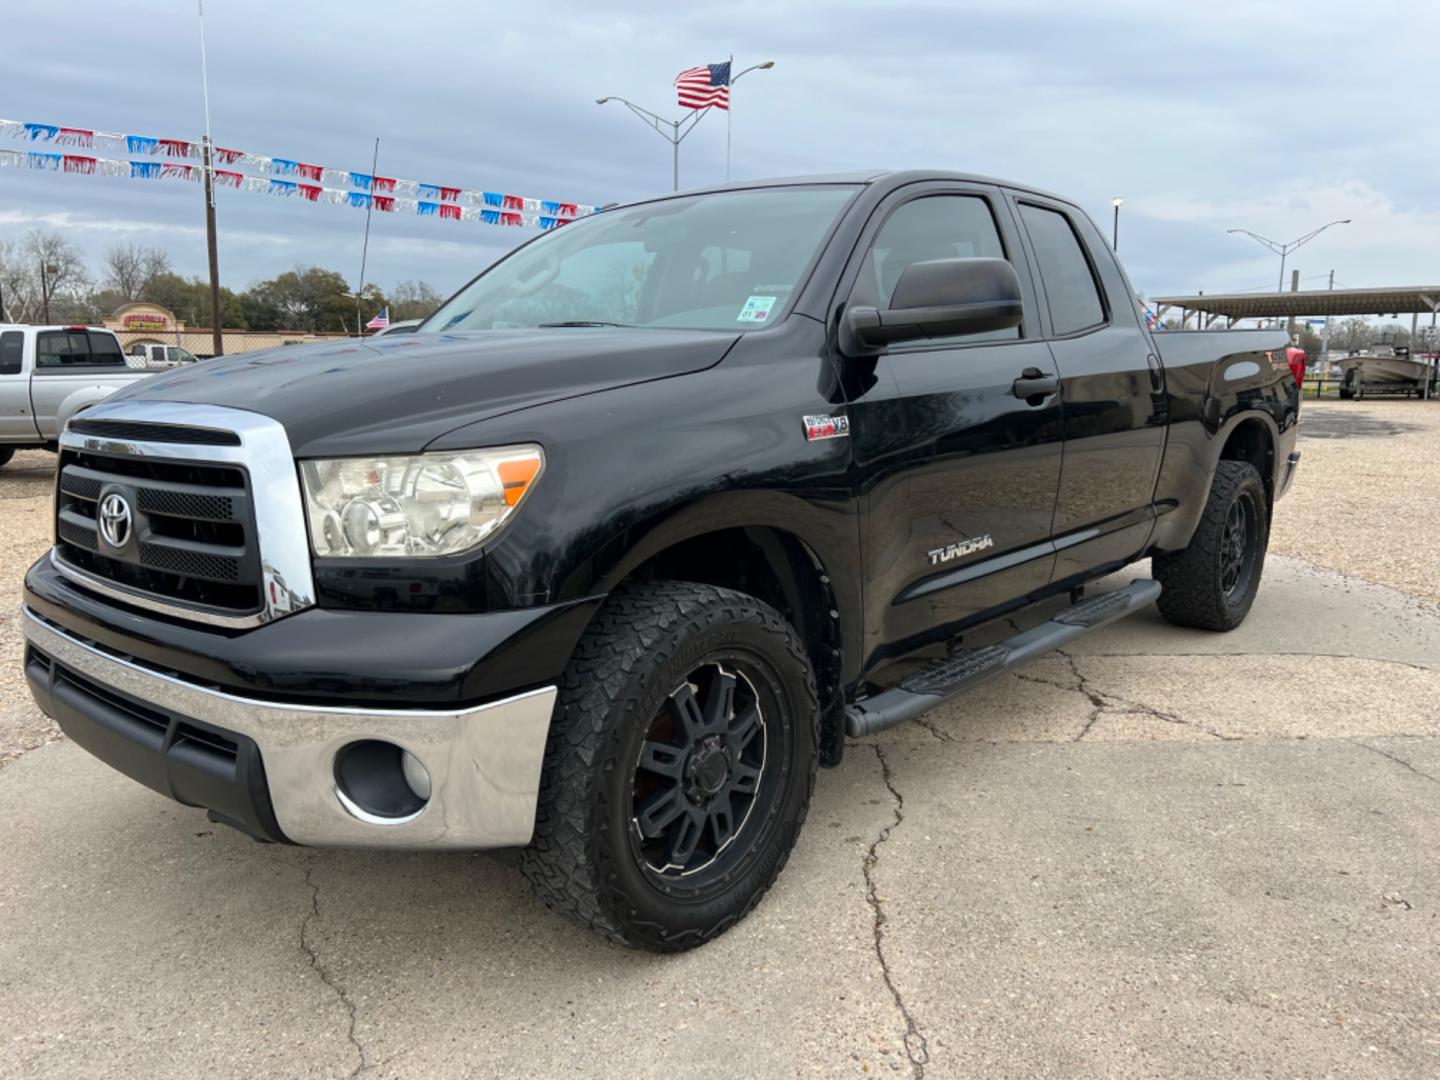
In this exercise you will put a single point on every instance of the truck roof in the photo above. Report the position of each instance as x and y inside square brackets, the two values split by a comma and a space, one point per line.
[891, 177]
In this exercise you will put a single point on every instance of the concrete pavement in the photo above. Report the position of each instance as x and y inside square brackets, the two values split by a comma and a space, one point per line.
[1165, 854]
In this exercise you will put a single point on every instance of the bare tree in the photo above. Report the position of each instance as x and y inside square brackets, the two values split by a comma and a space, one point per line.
[56, 272]
[1353, 333]
[129, 269]
[16, 286]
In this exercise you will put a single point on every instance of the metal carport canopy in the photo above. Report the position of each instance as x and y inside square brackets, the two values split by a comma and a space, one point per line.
[1411, 299]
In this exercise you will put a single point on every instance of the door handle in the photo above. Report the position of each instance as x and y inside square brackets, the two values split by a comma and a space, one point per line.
[1034, 383]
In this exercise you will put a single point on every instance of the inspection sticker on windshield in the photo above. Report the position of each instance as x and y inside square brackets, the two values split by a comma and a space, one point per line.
[756, 309]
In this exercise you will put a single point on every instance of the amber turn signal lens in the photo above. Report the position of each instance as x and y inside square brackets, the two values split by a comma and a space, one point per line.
[515, 476]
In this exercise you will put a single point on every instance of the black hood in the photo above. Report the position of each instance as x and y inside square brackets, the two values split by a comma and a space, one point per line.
[396, 394]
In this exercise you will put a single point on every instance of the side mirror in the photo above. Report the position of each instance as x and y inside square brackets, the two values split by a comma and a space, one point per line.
[942, 298]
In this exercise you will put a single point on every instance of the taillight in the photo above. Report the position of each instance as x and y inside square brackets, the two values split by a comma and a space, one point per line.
[1297, 364]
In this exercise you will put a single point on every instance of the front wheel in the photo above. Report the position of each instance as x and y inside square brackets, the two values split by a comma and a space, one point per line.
[679, 766]
[6, 453]
[1212, 583]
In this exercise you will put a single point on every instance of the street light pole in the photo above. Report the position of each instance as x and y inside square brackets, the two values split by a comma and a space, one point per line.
[1116, 202]
[1283, 250]
[678, 129]
[764, 66]
[675, 136]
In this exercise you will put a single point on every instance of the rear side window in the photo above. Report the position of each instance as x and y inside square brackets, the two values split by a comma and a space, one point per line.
[105, 349]
[61, 348]
[1070, 287]
[12, 349]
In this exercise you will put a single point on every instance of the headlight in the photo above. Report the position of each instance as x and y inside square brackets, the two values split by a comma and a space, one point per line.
[426, 504]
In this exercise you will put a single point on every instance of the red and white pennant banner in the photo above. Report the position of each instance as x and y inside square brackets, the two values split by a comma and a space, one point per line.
[305, 175]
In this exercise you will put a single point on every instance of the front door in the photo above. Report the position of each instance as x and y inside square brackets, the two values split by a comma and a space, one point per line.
[958, 476]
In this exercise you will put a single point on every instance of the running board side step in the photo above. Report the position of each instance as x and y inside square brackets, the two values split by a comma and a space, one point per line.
[933, 685]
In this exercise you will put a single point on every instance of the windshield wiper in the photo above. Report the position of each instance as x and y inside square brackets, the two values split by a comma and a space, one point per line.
[578, 322]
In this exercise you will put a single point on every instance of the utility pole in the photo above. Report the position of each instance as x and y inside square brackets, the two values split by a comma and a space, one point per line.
[1294, 287]
[217, 338]
[44, 294]
[1325, 337]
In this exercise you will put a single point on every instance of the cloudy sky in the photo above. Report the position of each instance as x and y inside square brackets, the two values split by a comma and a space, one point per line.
[1271, 116]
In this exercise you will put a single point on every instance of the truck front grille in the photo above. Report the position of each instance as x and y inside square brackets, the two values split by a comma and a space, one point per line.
[191, 539]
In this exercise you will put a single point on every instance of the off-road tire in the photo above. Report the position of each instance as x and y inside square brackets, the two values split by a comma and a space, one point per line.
[643, 641]
[1192, 593]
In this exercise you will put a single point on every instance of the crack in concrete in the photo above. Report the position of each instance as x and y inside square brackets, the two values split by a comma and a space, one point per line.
[1398, 760]
[917, 1048]
[340, 991]
[939, 733]
[1105, 703]
[1259, 656]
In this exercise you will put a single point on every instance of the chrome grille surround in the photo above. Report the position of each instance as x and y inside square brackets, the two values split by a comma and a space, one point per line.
[280, 533]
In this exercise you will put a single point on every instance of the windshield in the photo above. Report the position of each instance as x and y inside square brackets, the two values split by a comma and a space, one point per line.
[728, 261]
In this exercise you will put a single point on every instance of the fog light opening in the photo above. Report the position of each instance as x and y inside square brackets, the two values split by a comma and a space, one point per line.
[416, 775]
[380, 783]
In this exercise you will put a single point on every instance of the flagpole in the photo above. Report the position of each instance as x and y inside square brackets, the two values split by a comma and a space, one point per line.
[365, 248]
[729, 112]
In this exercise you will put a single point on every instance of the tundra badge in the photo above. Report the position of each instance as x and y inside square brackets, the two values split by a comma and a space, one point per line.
[827, 427]
[964, 547]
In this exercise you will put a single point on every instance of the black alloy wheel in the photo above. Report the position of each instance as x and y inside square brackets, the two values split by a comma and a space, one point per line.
[700, 774]
[1211, 583]
[678, 768]
[1238, 546]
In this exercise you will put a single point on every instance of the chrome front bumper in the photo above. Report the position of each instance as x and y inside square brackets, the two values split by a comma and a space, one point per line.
[484, 762]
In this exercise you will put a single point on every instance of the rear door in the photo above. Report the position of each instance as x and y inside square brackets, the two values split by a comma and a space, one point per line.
[1114, 402]
[17, 422]
[958, 475]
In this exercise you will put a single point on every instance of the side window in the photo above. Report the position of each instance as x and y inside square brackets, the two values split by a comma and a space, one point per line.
[12, 349]
[61, 348]
[105, 349]
[931, 227]
[172, 355]
[1070, 287]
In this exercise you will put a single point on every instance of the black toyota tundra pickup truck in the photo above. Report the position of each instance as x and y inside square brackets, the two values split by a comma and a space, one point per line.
[625, 541]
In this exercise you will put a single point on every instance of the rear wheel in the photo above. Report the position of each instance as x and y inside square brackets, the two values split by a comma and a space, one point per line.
[6, 453]
[679, 766]
[1212, 583]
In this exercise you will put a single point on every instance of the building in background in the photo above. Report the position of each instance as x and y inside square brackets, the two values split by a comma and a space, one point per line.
[150, 324]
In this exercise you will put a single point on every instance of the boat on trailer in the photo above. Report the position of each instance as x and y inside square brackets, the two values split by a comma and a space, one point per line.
[1384, 369]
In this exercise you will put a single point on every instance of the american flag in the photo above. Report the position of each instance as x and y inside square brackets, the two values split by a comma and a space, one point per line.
[379, 322]
[701, 87]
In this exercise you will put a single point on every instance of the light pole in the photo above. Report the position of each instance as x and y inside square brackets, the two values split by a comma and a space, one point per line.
[678, 129]
[764, 66]
[1284, 250]
[1117, 202]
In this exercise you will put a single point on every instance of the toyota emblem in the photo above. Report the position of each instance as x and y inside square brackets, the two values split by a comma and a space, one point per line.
[114, 520]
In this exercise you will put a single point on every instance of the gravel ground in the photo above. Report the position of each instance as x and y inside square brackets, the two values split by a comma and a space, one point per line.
[25, 497]
[1367, 499]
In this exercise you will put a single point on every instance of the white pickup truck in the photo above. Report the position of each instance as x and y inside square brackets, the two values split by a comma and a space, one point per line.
[48, 374]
